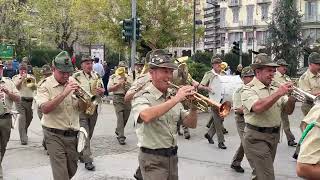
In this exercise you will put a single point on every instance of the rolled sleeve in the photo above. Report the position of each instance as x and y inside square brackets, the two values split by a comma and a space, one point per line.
[139, 104]
[42, 95]
[249, 98]
[310, 147]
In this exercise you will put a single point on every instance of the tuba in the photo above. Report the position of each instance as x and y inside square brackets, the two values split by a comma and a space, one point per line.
[202, 103]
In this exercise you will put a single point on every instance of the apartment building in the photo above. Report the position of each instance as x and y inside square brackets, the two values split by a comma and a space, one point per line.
[248, 20]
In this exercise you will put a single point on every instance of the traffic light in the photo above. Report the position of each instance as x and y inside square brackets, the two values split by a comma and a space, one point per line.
[138, 28]
[127, 29]
[236, 48]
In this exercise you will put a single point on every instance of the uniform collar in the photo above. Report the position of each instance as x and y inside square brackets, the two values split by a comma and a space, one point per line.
[311, 75]
[88, 75]
[257, 83]
[153, 90]
[279, 74]
[53, 81]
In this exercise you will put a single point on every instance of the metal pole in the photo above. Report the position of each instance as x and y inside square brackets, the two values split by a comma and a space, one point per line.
[133, 42]
[194, 28]
[240, 53]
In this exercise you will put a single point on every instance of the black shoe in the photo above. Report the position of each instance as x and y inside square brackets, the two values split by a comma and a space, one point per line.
[295, 156]
[24, 143]
[116, 133]
[187, 136]
[210, 140]
[179, 133]
[222, 146]
[121, 141]
[238, 169]
[292, 143]
[224, 131]
[89, 166]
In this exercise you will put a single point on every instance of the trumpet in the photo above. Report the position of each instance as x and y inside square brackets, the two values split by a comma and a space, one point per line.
[302, 95]
[202, 103]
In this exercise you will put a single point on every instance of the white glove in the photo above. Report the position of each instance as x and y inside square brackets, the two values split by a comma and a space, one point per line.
[82, 136]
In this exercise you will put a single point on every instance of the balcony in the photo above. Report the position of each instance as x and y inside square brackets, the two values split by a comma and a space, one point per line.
[263, 1]
[234, 3]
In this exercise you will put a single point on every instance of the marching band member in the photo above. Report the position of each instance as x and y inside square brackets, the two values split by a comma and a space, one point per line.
[263, 103]
[157, 114]
[60, 120]
[87, 79]
[281, 77]
[246, 75]
[119, 84]
[46, 72]
[26, 84]
[8, 95]
[310, 82]
[216, 126]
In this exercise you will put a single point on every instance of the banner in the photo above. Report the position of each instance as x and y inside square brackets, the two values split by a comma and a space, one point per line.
[6, 51]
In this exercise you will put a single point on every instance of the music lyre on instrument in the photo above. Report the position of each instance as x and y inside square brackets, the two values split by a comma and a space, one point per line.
[202, 103]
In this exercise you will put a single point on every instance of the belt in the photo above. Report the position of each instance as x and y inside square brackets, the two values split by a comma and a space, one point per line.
[167, 152]
[237, 113]
[28, 99]
[61, 132]
[269, 130]
[118, 94]
[5, 116]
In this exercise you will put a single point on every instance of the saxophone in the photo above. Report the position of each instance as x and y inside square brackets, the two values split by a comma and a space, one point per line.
[91, 107]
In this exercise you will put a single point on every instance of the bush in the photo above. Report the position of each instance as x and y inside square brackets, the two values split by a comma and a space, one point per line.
[197, 70]
[40, 57]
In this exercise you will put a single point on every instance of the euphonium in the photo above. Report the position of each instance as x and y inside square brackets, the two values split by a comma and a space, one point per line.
[91, 107]
[202, 103]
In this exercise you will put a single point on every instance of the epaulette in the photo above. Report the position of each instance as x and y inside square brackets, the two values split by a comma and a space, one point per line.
[140, 93]
[76, 74]
[41, 81]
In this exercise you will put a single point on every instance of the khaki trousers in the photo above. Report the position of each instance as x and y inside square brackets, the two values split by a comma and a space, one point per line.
[122, 111]
[286, 126]
[88, 122]
[63, 155]
[238, 157]
[5, 131]
[25, 117]
[260, 149]
[155, 167]
[216, 127]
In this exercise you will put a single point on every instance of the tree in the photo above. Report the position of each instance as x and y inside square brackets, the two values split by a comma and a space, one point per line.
[285, 41]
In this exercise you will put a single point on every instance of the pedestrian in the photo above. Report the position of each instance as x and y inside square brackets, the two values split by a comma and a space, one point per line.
[8, 95]
[263, 104]
[97, 67]
[9, 71]
[246, 76]
[105, 78]
[157, 114]
[60, 121]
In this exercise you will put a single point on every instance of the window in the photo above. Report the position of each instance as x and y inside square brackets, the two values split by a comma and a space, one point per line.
[236, 36]
[222, 17]
[250, 37]
[310, 10]
[261, 37]
[264, 11]
[235, 12]
[250, 15]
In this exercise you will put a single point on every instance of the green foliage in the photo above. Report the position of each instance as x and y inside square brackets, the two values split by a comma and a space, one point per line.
[285, 39]
[202, 57]
[197, 69]
[41, 57]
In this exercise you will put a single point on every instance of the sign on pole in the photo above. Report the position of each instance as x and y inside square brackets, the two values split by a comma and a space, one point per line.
[6, 51]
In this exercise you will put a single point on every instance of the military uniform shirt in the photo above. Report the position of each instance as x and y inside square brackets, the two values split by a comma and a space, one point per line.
[66, 115]
[8, 84]
[208, 76]
[309, 82]
[254, 91]
[313, 114]
[236, 98]
[115, 79]
[141, 81]
[24, 90]
[310, 147]
[86, 81]
[162, 132]
[281, 78]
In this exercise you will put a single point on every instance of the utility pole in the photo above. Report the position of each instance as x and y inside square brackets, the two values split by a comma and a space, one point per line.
[194, 28]
[134, 38]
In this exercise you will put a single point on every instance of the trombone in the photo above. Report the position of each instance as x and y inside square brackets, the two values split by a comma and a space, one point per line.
[202, 103]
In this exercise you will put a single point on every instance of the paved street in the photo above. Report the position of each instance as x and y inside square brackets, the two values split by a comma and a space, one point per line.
[198, 160]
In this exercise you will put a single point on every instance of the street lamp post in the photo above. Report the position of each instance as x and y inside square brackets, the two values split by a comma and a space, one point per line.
[194, 28]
